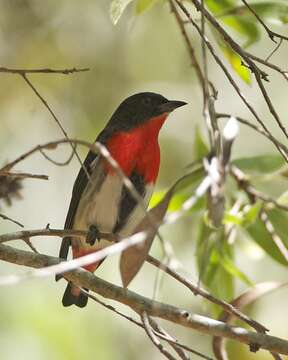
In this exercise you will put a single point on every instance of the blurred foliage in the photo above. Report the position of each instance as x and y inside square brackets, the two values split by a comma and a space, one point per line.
[236, 17]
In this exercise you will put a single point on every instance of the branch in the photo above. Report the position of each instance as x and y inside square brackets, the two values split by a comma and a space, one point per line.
[53, 232]
[41, 71]
[65, 266]
[196, 290]
[24, 175]
[140, 303]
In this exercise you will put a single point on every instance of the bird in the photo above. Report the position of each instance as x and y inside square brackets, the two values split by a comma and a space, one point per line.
[101, 202]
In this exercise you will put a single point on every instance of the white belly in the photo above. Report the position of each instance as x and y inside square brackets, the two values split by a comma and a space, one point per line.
[100, 208]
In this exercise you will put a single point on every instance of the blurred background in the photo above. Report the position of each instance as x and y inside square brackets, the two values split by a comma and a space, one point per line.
[141, 53]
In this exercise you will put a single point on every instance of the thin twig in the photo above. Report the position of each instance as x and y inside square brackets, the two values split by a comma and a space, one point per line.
[24, 175]
[274, 50]
[41, 71]
[245, 185]
[58, 163]
[5, 217]
[157, 329]
[269, 136]
[45, 103]
[268, 64]
[274, 236]
[153, 338]
[31, 246]
[53, 232]
[188, 43]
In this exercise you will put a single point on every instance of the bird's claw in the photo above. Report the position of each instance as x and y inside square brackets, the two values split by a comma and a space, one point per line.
[92, 235]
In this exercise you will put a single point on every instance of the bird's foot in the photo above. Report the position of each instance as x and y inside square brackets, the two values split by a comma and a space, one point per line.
[92, 235]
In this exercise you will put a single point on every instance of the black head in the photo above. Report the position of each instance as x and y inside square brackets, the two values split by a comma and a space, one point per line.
[137, 109]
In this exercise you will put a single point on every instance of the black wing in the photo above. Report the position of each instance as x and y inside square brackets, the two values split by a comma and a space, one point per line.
[78, 188]
[128, 202]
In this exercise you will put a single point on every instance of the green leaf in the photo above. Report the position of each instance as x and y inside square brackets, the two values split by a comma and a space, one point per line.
[279, 220]
[283, 198]
[209, 262]
[175, 203]
[181, 192]
[236, 62]
[144, 5]
[245, 217]
[217, 274]
[262, 164]
[235, 219]
[191, 179]
[250, 213]
[232, 269]
[220, 5]
[247, 28]
[117, 8]
[272, 11]
[223, 286]
[200, 148]
[261, 236]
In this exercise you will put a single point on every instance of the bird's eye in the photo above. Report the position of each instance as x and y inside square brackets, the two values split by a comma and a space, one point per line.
[146, 101]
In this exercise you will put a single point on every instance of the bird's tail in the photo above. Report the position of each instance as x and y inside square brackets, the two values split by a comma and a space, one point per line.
[73, 296]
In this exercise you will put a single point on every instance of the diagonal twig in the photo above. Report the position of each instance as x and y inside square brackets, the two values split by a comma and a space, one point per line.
[153, 338]
[5, 217]
[45, 103]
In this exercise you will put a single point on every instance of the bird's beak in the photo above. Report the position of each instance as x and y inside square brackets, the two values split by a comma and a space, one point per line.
[170, 105]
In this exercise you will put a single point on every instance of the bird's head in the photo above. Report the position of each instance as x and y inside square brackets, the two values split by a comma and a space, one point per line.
[140, 108]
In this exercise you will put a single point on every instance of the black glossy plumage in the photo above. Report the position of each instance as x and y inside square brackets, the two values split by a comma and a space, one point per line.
[70, 299]
[128, 202]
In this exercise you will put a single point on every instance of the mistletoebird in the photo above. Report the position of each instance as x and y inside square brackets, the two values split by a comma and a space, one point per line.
[103, 203]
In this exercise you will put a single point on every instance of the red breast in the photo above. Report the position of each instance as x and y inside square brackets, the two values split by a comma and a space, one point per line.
[138, 149]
